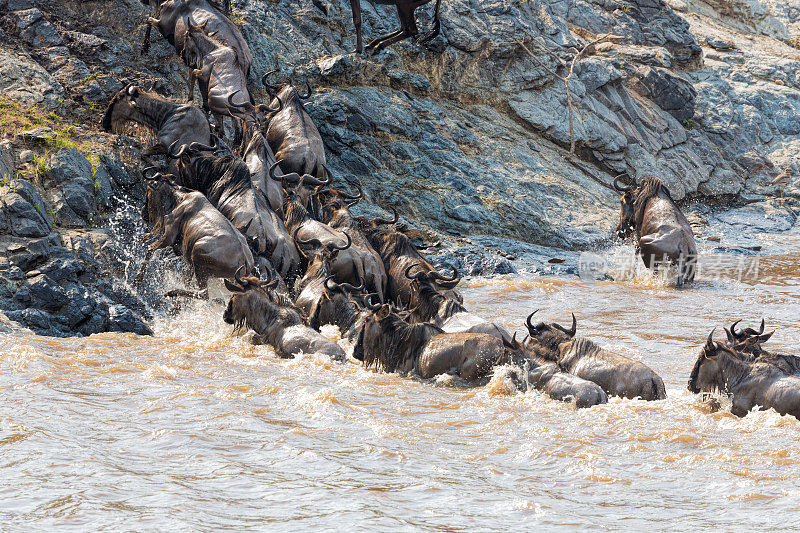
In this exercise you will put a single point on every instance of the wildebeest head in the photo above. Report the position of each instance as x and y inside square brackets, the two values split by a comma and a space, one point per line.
[747, 340]
[433, 295]
[707, 374]
[545, 339]
[249, 301]
[160, 198]
[285, 91]
[387, 341]
[121, 108]
[627, 219]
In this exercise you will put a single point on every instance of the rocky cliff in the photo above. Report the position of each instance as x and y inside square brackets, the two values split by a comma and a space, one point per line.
[467, 138]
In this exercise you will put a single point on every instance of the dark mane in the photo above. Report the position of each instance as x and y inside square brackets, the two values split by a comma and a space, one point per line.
[295, 212]
[209, 172]
[107, 117]
[647, 189]
[262, 314]
[428, 301]
[696, 371]
[400, 343]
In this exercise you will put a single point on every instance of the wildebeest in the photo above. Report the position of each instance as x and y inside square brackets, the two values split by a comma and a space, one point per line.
[386, 341]
[278, 325]
[226, 182]
[399, 255]
[292, 134]
[616, 374]
[259, 158]
[369, 268]
[316, 288]
[748, 341]
[749, 383]
[171, 122]
[186, 220]
[221, 81]
[306, 230]
[663, 235]
[172, 23]
[408, 24]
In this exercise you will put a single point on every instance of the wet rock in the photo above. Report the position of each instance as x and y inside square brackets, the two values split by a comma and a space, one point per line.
[37, 31]
[26, 156]
[71, 186]
[122, 319]
[44, 293]
[24, 210]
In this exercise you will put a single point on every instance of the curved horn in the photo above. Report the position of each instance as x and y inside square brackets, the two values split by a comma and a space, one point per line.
[572, 330]
[301, 242]
[417, 276]
[528, 321]
[346, 246]
[733, 328]
[384, 221]
[436, 276]
[351, 288]
[232, 104]
[151, 168]
[200, 147]
[177, 155]
[270, 283]
[761, 329]
[331, 285]
[621, 188]
[308, 93]
[368, 302]
[710, 340]
[268, 86]
[353, 198]
[238, 275]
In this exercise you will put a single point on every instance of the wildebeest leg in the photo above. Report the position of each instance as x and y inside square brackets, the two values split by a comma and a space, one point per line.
[322, 7]
[434, 32]
[219, 125]
[680, 267]
[190, 80]
[140, 275]
[355, 6]
[408, 29]
[146, 42]
[202, 294]
[375, 42]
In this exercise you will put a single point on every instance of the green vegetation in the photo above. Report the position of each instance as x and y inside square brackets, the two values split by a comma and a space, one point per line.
[16, 117]
[40, 164]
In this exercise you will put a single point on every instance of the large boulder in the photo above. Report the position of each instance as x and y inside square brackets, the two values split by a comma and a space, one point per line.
[21, 78]
[24, 211]
[71, 185]
[671, 93]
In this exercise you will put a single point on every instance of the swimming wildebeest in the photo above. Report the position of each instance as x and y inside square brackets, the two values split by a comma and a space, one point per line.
[277, 325]
[663, 235]
[408, 24]
[616, 374]
[171, 122]
[185, 220]
[749, 383]
[316, 288]
[386, 341]
[226, 182]
[399, 255]
[369, 268]
[292, 134]
[748, 341]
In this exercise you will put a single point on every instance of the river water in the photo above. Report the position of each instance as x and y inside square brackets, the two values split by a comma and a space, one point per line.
[197, 429]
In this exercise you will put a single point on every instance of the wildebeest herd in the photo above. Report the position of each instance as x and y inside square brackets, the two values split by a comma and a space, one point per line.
[263, 213]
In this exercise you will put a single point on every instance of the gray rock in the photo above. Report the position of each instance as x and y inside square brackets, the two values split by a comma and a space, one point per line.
[25, 210]
[71, 186]
[25, 80]
[671, 93]
[73, 73]
[44, 293]
[38, 135]
[26, 156]
[7, 167]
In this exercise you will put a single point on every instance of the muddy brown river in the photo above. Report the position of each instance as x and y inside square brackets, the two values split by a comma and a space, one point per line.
[197, 429]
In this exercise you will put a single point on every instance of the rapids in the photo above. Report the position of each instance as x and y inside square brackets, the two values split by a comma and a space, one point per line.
[196, 428]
